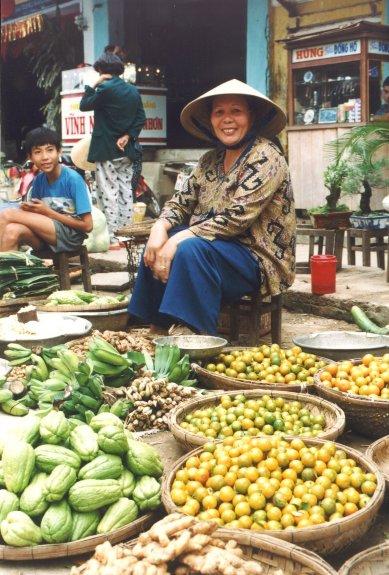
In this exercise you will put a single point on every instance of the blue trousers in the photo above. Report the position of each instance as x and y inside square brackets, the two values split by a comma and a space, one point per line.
[203, 273]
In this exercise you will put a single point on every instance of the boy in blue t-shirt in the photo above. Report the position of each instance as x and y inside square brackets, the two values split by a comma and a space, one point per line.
[59, 211]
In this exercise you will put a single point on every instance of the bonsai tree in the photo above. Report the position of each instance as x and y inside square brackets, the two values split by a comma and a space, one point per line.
[357, 149]
[334, 176]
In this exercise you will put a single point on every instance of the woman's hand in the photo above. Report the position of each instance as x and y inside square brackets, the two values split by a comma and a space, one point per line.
[157, 239]
[165, 256]
[122, 142]
[163, 260]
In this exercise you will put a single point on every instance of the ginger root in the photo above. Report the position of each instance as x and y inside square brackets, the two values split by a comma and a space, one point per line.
[176, 545]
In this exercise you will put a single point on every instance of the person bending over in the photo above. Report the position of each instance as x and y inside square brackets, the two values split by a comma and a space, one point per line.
[119, 118]
[58, 213]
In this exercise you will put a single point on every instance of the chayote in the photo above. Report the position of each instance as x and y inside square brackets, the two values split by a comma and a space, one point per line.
[147, 493]
[19, 530]
[142, 459]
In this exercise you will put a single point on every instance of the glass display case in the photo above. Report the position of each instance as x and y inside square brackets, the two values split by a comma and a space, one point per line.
[334, 83]
[335, 76]
[327, 94]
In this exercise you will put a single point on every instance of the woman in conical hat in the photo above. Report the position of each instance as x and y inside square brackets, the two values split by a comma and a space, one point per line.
[231, 230]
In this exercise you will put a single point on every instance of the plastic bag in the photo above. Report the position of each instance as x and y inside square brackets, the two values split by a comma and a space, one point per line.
[143, 193]
[98, 239]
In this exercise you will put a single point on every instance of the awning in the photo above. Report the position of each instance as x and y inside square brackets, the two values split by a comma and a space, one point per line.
[22, 9]
[26, 16]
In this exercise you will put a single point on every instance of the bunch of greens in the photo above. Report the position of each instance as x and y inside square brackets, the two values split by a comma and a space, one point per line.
[23, 275]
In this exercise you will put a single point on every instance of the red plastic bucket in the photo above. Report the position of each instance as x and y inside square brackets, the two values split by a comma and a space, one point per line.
[323, 274]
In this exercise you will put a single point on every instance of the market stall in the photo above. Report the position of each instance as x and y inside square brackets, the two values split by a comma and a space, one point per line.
[78, 473]
[77, 124]
[334, 80]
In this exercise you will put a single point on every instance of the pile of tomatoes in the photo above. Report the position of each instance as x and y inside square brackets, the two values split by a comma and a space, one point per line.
[238, 416]
[370, 377]
[268, 483]
[268, 363]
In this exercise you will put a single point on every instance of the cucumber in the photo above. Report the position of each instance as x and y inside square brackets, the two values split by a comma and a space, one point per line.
[365, 324]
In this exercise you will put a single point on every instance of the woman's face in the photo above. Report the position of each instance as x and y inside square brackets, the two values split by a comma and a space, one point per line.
[231, 118]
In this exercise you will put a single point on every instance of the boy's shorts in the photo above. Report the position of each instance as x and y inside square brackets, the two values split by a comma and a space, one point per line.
[68, 239]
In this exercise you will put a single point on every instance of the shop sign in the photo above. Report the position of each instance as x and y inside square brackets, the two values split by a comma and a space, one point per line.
[77, 124]
[155, 110]
[378, 47]
[336, 50]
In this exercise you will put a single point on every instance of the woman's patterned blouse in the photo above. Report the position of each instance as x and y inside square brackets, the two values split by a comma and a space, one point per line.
[252, 203]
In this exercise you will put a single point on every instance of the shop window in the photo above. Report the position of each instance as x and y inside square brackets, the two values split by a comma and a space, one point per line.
[327, 94]
[375, 83]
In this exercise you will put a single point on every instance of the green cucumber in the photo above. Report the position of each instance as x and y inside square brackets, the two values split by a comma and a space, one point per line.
[365, 324]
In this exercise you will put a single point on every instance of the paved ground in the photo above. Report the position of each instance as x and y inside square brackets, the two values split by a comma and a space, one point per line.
[355, 285]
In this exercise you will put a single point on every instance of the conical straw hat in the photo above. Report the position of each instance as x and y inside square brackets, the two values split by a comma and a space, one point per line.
[79, 154]
[269, 118]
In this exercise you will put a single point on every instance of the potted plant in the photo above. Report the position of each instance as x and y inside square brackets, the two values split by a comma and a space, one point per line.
[333, 215]
[358, 148]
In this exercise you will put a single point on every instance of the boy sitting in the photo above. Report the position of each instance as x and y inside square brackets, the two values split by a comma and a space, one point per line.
[59, 211]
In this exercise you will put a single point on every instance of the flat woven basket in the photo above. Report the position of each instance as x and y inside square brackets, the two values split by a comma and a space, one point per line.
[86, 545]
[365, 415]
[326, 538]
[136, 230]
[84, 307]
[291, 559]
[372, 561]
[379, 453]
[335, 418]
[11, 306]
[213, 380]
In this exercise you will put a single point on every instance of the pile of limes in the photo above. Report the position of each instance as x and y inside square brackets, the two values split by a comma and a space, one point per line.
[370, 378]
[270, 483]
[268, 363]
[236, 416]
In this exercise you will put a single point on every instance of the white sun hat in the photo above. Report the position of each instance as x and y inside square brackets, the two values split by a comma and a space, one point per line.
[270, 119]
[79, 154]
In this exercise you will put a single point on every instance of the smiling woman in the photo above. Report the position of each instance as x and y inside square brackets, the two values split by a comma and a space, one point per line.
[231, 231]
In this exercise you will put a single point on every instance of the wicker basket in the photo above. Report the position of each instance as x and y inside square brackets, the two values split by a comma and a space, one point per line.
[212, 380]
[291, 559]
[379, 453]
[136, 230]
[335, 418]
[326, 538]
[365, 415]
[86, 545]
[372, 561]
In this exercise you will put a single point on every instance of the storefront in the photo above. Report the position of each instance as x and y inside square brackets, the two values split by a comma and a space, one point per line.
[196, 44]
[334, 83]
[29, 70]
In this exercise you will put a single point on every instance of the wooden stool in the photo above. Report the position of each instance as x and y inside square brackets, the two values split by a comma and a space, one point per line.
[329, 240]
[62, 266]
[366, 246]
[253, 307]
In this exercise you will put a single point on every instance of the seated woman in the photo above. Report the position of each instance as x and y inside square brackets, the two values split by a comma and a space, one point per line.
[231, 231]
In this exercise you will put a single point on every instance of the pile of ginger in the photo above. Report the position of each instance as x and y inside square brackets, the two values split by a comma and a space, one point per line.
[176, 545]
